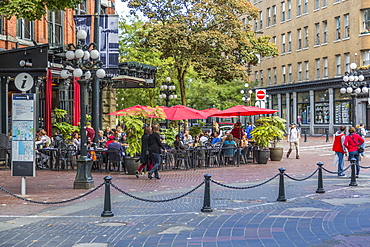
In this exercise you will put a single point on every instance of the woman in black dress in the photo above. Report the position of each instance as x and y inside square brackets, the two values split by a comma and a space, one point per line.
[144, 156]
[155, 146]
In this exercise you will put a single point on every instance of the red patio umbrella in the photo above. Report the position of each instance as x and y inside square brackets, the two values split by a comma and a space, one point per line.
[211, 110]
[151, 112]
[181, 112]
[241, 110]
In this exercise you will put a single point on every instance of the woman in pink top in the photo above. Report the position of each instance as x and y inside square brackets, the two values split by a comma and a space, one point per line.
[352, 142]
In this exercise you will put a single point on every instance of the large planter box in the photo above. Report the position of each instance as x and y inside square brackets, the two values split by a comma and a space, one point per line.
[132, 165]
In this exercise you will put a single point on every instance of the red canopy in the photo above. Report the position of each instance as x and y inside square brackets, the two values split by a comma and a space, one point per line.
[151, 112]
[241, 110]
[211, 110]
[181, 112]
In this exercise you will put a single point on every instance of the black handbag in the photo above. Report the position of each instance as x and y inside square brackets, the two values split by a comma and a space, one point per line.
[359, 148]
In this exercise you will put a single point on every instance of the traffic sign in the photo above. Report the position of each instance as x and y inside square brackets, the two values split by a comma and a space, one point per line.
[261, 94]
[23, 82]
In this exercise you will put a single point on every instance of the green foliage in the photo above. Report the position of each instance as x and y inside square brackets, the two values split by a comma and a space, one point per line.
[66, 129]
[59, 113]
[207, 36]
[197, 129]
[170, 134]
[268, 129]
[134, 130]
[33, 9]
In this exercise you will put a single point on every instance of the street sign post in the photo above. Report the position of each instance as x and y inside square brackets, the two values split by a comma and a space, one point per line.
[261, 94]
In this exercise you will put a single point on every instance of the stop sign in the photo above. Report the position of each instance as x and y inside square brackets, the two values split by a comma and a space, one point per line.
[261, 94]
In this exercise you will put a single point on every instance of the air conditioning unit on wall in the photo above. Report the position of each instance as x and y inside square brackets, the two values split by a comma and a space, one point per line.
[106, 3]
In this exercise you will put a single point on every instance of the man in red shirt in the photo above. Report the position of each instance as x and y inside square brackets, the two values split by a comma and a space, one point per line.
[237, 131]
[90, 132]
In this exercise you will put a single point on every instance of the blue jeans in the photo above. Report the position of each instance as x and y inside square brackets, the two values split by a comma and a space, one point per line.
[340, 162]
[157, 161]
[363, 153]
[355, 155]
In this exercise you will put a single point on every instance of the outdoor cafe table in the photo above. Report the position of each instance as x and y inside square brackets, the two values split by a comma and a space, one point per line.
[53, 153]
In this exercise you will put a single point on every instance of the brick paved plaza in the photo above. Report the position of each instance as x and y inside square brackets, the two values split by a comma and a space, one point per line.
[240, 217]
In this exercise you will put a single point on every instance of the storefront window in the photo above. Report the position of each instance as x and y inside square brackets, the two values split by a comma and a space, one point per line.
[283, 106]
[322, 107]
[342, 106]
[304, 109]
[275, 104]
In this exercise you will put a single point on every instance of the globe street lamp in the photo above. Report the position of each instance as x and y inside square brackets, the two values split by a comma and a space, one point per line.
[354, 84]
[246, 92]
[168, 91]
[82, 60]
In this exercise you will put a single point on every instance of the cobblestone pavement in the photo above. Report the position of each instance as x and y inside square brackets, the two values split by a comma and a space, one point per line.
[240, 217]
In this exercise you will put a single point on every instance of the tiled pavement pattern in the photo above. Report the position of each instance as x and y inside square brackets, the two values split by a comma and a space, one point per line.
[252, 217]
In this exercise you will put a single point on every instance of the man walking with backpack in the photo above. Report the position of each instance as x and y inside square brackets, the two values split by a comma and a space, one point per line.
[294, 135]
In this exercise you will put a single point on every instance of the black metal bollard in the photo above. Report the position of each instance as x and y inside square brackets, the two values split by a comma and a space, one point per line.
[305, 135]
[320, 187]
[281, 197]
[327, 135]
[207, 195]
[107, 202]
[353, 173]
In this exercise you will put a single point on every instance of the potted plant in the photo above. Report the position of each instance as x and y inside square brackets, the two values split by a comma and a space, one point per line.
[268, 130]
[65, 128]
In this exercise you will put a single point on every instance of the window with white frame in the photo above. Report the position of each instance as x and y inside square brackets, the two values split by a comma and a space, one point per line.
[260, 20]
[305, 40]
[347, 61]
[82, 8]
[365, 20]
[338, 65]
[55, 21]
[282, 11]
[275, 78]
[317, 4]
[290, 73]
[317, 36]
[274, 15]
[261, 78]
[283, 43]
[299, 35]
[269, 76]
[25, 29]
[325, 67]
[307, 71]
[324, 3]
[283, 74]
[289, 12]
[317, 63]
[289, 47]
[346, 25]
[299, 7]
[305, 7]
[274, 40]
[337, 28]
[299, 71]
[365, 57]
[268, 17]
[325, 32]
[256, 75]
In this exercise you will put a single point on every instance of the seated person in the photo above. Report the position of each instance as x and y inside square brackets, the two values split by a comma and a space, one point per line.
[215, 138]
[237, 131]
[229, 140]
[187, 138]
[179, 145]
[114, 157]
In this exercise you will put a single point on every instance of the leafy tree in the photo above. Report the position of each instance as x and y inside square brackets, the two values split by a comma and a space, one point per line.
[206, 35]
[33, 9]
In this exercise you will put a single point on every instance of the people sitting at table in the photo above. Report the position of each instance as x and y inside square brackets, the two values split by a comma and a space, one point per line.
[76, 142]
[44, 138]
[204, 138]
[108, 132]
[101, 138]
[215, 138]
[111, 139]
[57, 139]
[179, 144]
[187, 138]
[196, 142]
[244, 141]
[120, 152]
[90, 132]
[229, 152]
[237, 131]
[41, 157]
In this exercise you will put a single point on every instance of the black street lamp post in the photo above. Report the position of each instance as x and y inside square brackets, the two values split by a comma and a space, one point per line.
[85, 65]
[168, 92]
[353, 84]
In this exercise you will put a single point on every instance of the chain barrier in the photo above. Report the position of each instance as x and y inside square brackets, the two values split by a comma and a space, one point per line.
[301, 179]
[244, 188]
[165, 200]
[337, 172]
[365, 167]
[60, 202]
